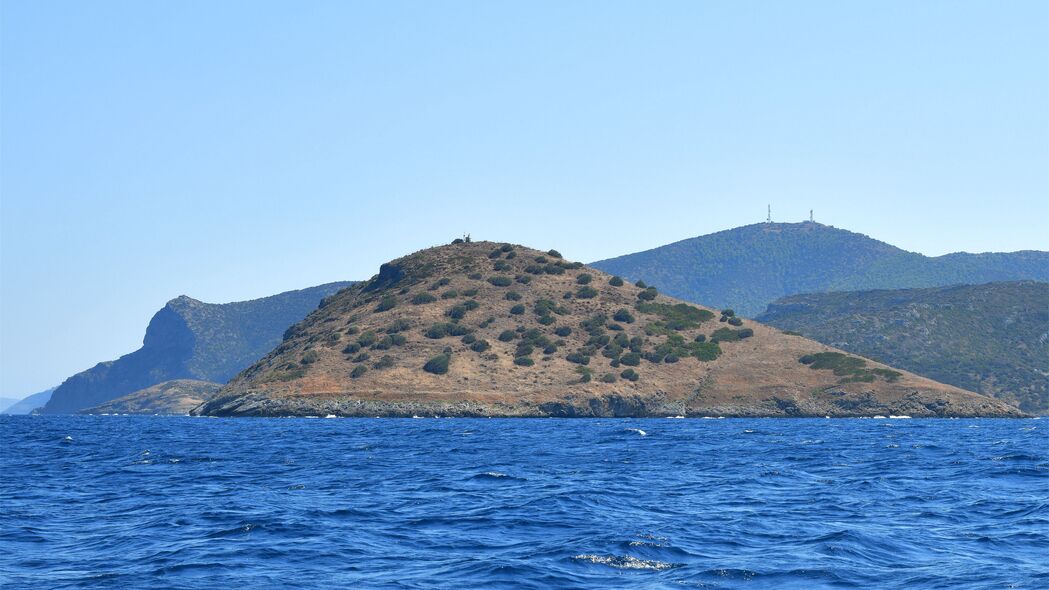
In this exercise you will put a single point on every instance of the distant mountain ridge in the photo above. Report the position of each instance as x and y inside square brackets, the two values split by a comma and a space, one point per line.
[190, 339]
[748, 267]
[29, 403]
[991, 338]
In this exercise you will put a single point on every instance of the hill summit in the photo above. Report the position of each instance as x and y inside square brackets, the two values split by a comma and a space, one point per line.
[748, 267]
[490, 329]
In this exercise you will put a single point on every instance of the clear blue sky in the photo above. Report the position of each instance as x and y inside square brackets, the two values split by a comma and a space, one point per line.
[231, 150]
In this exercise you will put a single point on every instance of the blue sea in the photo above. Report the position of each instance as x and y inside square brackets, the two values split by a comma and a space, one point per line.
[152, 502]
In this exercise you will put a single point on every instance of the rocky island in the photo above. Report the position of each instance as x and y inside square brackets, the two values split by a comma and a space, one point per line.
[493, 329]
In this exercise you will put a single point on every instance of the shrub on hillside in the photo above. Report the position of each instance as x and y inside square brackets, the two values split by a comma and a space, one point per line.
[616, 281]
[724, 335]
[624, 316]
[630, 359]
[577, 358]
[546, 320]
[352, 348]
[733, 321]
[641, 284]
[506, 248]
[513, 296]
[745, 333]
[500, 265]
[553, 253]
[584, 279]
[480, 346]
[586, 292]
[469, 339]
[523, 361]
[648, 294]
[367, 339]
[475, 276]
[507, 335]
[630, 375]
[728, 313]
[511, 255]
[387, 303]
[608, 378]
[358, 371]
[438, 365]
[450, 294]
[398, 326]
[517, 309]
[472, 292]
[385, 362]
[495, 253]
[422, 298]
[500, 281]
[524, 279]
[563, 331]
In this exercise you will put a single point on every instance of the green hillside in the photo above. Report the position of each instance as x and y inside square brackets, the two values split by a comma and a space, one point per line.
[190, 339]
[991, 338]
[747, 268]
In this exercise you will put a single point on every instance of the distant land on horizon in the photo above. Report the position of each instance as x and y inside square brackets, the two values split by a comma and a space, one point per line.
[190, 339]
[29, 403]
[748, 267]
[493, 329]
[991, 338]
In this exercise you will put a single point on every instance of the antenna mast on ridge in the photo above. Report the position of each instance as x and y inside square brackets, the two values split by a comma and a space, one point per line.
[811, 218]
[769, 218]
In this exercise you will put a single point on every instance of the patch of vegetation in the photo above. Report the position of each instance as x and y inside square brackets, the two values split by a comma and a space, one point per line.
[363, 356]
[507, 335]
[384, 363]
[501, 265]
[641, 284]
[480, 346]
[547, 320]
[471, 292]
[584, 279]
[630, 359]
[630, 375]
[443, 330]
[495, 253]
[352, 348]
[553, 254]
[524, 279]
[678, 316]
[578, 358]
[423, 298]
[563, 331]
[851, 369]
[523, 361]
[608, 378]
[450, 294]
[616, 281]
[309, 358]
[438, 365]
[585, 374]
[358, 371]
[553, 269]
[517, 309]
[586, 292]
[624, 316]
[648, 294]
[506, 248]
[398, 326]
[513, 296]
[367, 339]
[387, 303]
[500, 281]
[476, 276]
[724, 335]
[735, 321]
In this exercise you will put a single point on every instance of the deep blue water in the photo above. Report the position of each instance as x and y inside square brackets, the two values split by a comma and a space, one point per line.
[140, 502]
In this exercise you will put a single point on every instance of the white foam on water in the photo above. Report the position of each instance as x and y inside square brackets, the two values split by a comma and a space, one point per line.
[625, 562]
[879, 417]
[904, 417]
[638, 430]
[331, 416]
[674, 417]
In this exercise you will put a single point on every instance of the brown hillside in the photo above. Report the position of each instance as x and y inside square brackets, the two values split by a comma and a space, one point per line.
[555, 347]
[178, 396]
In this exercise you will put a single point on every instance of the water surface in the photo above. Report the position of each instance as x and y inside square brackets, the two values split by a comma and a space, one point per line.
[143, 502]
